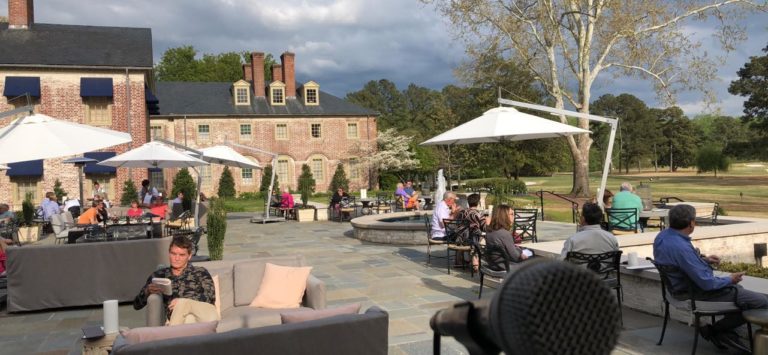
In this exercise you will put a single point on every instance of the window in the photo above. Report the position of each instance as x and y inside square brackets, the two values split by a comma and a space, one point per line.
[205, 174]
[277, 96]
[245, 131]
[203, 131]
[352, 130]
[24, 186]
[354, 169]
[318, 171]
[283, 172]
[242, 96]
[281, 131]
[311, 94]
[246, 174]
[157, 180]
[156, 132]
[316, 130]
[98, 111]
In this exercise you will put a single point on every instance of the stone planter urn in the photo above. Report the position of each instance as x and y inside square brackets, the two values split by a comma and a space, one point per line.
[29, 234]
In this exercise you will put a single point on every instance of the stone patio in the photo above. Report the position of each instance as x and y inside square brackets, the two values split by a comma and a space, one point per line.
[392, 277]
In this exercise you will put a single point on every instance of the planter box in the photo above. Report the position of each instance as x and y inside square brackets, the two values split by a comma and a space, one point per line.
[305, 214]
[29, 234]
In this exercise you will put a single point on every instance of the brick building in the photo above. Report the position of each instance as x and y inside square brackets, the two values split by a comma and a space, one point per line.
[299, 122]
[85, 74]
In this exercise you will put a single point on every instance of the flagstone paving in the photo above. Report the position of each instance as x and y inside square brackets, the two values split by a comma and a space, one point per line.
[392, 277]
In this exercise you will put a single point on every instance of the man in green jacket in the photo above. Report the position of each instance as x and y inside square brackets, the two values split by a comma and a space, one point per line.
[626, 199]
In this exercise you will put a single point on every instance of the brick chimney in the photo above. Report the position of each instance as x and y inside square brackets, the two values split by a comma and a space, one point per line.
[21, 14]
[247, 72]
[289, 73]
[257, 70]
[277, 72]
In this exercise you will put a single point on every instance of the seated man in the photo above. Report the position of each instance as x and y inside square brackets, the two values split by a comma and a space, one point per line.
[92, 215]
[50, 206]
[672, 246]
[591, 238]
[192, 299]
[413, 197]
[5, 213]
[626, 199]
[444, 210]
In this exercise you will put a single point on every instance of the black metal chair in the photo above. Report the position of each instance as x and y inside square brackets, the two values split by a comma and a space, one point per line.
[431, 242]
[347, 207]
[693, 301]
[622, 220]
[490, 257]
[525, 224]
[457, 239]
[10, 230]
[606, 265]
[382, 204]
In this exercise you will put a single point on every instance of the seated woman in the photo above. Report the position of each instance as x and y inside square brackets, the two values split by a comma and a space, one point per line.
[409, 201]
[159, 208]
[135, 211]
[286, 203]
[499, 234]
[337, 198]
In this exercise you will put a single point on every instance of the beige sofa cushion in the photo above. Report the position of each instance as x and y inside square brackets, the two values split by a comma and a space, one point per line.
[307, 315]
[147, 334]
[225, 297]
[248, 275]
[249, 317]
[282, 286]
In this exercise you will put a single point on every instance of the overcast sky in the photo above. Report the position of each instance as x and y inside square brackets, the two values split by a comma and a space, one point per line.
[342, 44]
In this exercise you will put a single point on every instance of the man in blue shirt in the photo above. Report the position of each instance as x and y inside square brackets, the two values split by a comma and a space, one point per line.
[673, 247]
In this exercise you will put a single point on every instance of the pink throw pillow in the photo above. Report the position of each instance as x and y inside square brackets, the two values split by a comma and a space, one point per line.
[281, 286]
[306, 315]
[145, 334]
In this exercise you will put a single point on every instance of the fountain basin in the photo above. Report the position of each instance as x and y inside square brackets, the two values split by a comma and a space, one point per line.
[392, 228]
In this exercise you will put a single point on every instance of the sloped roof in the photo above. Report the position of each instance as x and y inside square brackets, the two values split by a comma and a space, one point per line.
[72, 45]
[215, 99]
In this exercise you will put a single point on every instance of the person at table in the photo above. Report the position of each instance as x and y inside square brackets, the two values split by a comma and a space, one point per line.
[338, 198]
[73, 206]
[626, 199]
[193, 297]
[409, 201]
[445, 210]
[5, 213]
[147, 193]
[98, 190]
[477, 222]
[673, 247]
[159, 208]
[413, 196]
[591, 237]
[607, 199]
[3, 257]
[104, 210]
[50, 206]
[499, 234]
[91, 216]
[135, 211]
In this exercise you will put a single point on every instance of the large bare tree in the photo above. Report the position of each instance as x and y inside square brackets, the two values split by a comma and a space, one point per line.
[567, 44]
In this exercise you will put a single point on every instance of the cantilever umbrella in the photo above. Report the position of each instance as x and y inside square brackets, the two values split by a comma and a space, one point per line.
[39, 136]
[153, 155]
[504, 124]
[225, 155]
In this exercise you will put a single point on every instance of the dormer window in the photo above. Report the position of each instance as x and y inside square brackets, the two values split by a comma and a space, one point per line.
[277, 93]
[311, 94]
[241, 92]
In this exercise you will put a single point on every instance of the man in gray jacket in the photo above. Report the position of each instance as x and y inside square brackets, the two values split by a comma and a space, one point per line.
[591, 239]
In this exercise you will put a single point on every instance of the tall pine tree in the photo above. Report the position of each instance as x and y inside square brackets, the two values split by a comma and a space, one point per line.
[226, 184]
[339, 179]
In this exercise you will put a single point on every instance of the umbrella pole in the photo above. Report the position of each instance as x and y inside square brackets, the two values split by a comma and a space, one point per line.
[197, 200]
[268, 198]
[607, 164]
[80, 180]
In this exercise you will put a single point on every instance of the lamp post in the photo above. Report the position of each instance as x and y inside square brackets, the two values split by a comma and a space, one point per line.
[80, 164]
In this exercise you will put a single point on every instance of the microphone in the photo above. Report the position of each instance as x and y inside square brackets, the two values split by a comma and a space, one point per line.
[544, 307]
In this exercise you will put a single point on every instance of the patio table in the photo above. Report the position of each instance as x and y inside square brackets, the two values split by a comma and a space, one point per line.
[661, 213]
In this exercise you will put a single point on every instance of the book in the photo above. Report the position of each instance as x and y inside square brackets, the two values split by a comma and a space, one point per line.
[164, 284]
[93, 332]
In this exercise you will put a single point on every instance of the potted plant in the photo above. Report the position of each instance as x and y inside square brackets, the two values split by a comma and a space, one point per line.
[28, 230]
[306, 213]
[217, 228]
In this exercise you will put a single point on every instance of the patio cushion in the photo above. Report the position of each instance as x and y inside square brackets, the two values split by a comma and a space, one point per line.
[248, 276]
[250, 317]
[282, 286]
[307, 315]
[225, 298]
[146, 334]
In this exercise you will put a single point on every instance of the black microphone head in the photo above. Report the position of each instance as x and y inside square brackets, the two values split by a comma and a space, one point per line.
[553, 307]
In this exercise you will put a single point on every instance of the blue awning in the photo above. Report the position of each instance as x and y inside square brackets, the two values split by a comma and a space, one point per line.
[94, 168]
[96, 87]
[21, 85]
[25, 168]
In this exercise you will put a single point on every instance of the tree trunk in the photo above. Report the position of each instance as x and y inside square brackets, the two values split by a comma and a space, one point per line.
[581, 176]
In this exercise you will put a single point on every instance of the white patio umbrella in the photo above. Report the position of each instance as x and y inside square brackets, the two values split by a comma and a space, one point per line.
[4, 167]
[225, 155]
[153, 155]
[503, 124]
[39, 136]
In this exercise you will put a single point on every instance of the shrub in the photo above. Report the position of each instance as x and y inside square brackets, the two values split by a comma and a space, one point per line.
[265, 178]
[306, 184]
[28, 209]
[250, 195]
[217, 228]
[226, 184]
[750, 269]
[129, 193]
[339, 179]
[183, 182]
[58, 191]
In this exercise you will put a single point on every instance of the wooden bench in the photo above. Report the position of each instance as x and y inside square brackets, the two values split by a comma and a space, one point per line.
[706, 212]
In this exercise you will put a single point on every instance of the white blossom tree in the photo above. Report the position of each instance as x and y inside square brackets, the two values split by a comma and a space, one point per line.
[568, 44]
[392, 154]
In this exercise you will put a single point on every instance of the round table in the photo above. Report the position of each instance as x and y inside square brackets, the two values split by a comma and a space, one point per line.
[366, 206]
[760, 338]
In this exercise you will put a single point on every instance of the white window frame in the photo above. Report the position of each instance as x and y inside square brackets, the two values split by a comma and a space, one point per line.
[356, 134]
[277, 131]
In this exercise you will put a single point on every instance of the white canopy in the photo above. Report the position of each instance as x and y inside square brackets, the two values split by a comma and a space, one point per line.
[153, 155]
[39, 136]
[4, 167]
[224, 155]
[504, 124]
